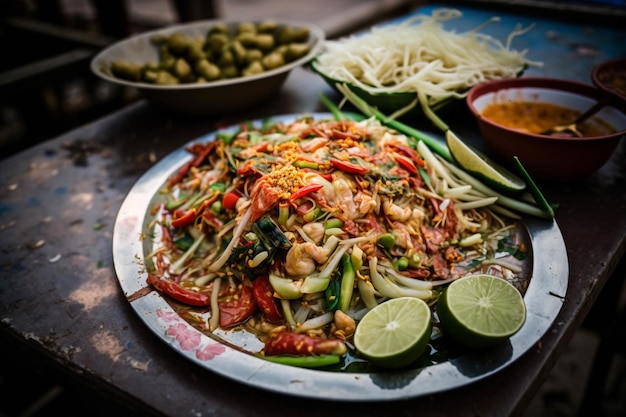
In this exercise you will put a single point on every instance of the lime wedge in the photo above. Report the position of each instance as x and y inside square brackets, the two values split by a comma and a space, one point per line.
[482, 167]
[395, 333]
[481, 310]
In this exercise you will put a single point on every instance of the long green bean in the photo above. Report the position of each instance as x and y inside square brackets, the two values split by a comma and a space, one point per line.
[347, 283]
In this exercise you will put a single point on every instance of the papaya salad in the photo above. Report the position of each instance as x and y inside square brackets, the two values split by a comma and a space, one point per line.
[293, 230]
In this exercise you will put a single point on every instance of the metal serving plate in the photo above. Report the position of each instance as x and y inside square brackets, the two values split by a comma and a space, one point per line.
[234, 358]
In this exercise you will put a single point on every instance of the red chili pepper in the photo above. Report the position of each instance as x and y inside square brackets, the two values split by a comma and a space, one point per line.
[261, 147]
[208, 217]
[306, 190]
[229, 202]
[180, 174]
[314, 131]
[302, 345]
[184, 219]
[406, 163]
[264, 296]
[237, 308]
[342, 134]
[201, 151]
[178, 292]
[160, 264]
[410, 152]
[435, 205]
[248, 168]
[349, 167]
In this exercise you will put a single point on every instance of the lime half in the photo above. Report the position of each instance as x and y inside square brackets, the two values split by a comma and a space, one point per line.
[482, 167]
[395, 333]
[481, 310]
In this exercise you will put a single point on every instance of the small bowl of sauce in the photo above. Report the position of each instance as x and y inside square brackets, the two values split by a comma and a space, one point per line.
[536, 117]
[511, 113]
[611, 77]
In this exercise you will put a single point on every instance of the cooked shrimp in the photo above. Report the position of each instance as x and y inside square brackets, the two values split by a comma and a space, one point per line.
[262, 198]
[344, 199]
[366, 203]
[302, 257]
[315, 231]
[314, 144]
[395, 212]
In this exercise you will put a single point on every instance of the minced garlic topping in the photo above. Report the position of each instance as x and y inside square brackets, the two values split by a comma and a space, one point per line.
[286, 179]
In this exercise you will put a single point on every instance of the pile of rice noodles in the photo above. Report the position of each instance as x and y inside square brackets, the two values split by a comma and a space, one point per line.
[419, 55]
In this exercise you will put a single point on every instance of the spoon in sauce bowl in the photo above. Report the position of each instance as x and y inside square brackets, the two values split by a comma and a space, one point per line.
[572, 128]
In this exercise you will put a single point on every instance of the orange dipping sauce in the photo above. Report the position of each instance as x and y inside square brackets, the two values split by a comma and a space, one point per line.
[536, 117]
[615, 80]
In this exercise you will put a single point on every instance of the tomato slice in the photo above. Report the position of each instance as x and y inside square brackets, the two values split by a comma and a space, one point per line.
[236, 308]
[264, 296]
[230, 199]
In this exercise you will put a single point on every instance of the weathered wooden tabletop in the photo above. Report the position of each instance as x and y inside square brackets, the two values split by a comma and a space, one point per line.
[60, 301]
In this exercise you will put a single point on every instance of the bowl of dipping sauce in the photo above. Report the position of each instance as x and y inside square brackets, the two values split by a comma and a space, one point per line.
[610, 76]
[512, 114]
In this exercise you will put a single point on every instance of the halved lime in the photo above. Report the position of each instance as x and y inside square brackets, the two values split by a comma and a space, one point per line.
[395, 333]
[481, 310]
[482, 167]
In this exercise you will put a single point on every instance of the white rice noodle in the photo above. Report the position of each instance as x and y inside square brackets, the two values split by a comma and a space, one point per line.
[420, 55]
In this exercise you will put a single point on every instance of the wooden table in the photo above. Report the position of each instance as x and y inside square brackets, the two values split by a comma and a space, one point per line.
[61, 306]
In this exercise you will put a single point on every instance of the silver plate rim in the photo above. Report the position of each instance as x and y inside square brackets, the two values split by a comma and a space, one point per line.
[544, 298]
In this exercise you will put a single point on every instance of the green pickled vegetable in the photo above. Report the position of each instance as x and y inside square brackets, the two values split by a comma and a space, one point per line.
[225, 52]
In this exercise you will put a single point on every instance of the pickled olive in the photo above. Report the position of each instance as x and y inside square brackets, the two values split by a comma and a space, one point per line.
[126, 70]
[166, 59]
[216, 42]
[293, 34]
[239, 52]
[182, 70]
[230, 71]
[246, 27]
[177, 43]
[227, 58]
[296, 50]
[264, 41]
[267, 26]
[254, 55]
[219, 28]
[195, 50]
[273, 60]
[254, 68]
[207, 70]
[165, 78]
[247, 39]
[151, 66]
[150, 75]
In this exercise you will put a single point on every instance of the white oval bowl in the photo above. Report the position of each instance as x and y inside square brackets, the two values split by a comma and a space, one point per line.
[214, 97]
